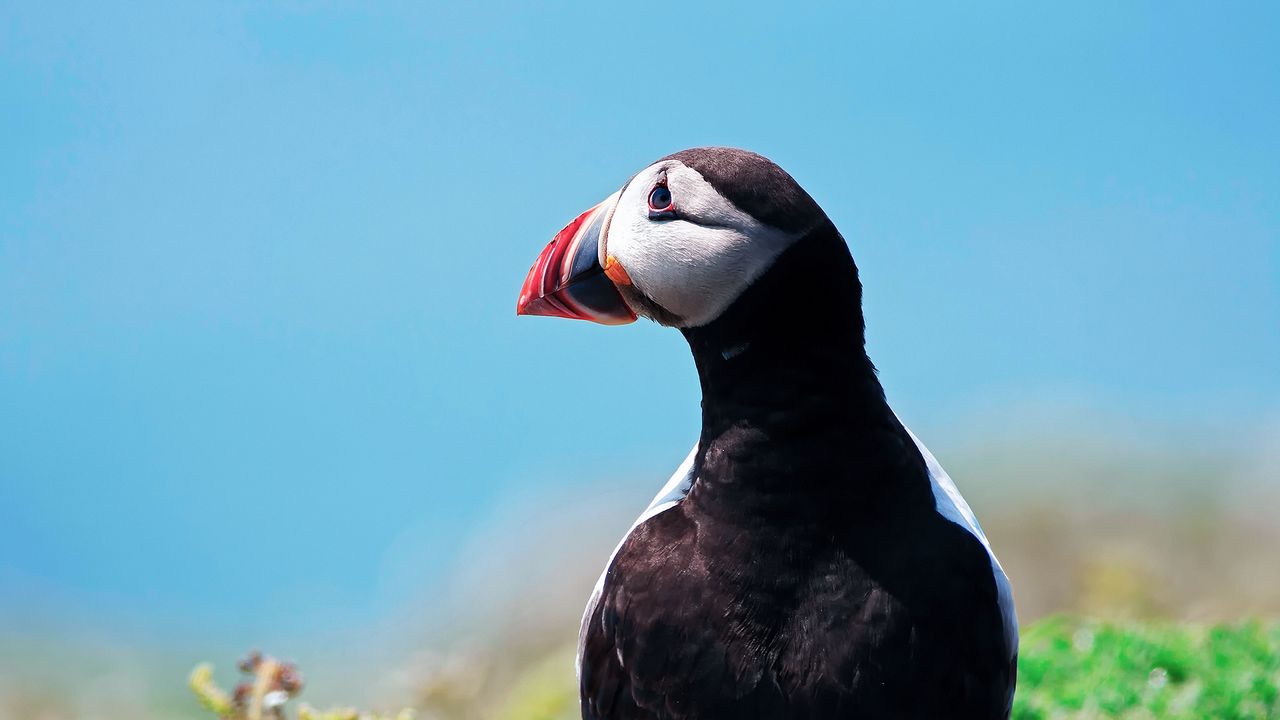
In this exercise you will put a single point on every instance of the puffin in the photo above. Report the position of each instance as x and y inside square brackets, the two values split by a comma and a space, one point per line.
[810, 558]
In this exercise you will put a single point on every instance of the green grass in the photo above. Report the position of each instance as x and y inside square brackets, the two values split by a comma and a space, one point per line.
[1070, 668]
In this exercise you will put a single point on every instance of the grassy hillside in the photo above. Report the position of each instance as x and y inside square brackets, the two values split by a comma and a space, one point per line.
[1071, 668]
[1067, 668]
[1078, 669]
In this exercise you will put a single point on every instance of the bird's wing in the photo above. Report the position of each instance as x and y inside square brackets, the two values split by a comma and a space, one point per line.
[671, 493]
[951, 505]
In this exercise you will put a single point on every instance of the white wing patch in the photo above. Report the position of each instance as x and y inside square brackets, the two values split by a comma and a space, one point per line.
[952, 506]
[670, 494]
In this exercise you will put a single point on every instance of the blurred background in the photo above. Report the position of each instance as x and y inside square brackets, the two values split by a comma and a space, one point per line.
[262, 384]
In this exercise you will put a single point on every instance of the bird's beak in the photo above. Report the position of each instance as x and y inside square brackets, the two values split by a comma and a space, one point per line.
[567, 280]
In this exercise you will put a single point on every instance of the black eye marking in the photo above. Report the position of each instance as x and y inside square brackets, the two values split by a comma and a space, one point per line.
[661, 204]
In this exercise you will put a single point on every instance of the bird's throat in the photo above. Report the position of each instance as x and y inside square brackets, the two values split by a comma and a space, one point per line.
[784, 368]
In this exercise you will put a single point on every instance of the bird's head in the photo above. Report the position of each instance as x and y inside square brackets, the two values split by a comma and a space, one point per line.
[679, 243]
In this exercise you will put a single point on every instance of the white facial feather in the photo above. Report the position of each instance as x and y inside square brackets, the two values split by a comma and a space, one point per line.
[697, 265]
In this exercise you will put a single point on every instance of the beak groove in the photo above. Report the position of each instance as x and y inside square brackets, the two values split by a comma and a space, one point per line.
[567, 280]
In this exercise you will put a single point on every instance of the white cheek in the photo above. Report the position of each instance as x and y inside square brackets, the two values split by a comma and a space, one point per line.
[692, 270]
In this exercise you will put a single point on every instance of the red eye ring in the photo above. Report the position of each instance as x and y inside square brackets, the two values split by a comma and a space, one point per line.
[660, 200]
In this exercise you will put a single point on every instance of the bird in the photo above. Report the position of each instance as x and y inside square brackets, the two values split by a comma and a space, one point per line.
[810, 558]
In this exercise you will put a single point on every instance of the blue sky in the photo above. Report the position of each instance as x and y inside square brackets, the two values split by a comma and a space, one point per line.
[258, 263]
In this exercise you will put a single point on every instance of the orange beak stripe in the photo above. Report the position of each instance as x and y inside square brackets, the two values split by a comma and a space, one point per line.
[615, 272]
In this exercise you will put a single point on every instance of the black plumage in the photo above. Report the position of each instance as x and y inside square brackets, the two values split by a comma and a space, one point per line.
[808, 572]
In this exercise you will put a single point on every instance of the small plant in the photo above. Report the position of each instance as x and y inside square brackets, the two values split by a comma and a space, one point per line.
[271, 684]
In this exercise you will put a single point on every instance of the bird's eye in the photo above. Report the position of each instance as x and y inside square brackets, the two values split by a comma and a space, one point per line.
[660, 199]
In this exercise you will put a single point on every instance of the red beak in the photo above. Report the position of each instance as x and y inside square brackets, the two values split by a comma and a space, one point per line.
[567, 279]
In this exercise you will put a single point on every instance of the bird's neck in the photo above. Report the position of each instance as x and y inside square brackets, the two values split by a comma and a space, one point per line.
[784, 370]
